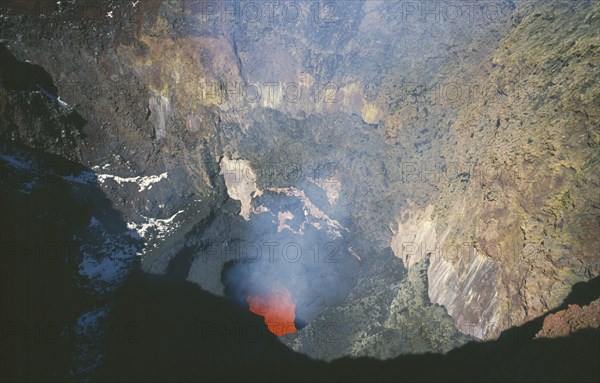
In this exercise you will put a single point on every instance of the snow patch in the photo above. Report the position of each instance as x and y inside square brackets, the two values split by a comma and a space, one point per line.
[143, 182]
[62, 103]
[21, 163]
[106, 259]
[28, 187]
[153, 230]
[84, 178]
[162, 227]
[88, 322]
[90, 335]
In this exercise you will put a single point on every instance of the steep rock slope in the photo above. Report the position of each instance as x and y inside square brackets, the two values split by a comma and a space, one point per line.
[520, 226]
[498, 185]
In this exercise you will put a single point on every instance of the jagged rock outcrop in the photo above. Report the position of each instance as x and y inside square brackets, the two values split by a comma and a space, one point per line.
[469, 147]
[383, 316]
[571, 320]
[518, 228]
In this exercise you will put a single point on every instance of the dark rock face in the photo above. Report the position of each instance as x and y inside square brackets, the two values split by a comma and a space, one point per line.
[65, 251]
[384, 316]
[28, 119]
[416, 178]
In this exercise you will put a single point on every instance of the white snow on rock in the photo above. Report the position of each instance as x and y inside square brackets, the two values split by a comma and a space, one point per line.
[22, 162]
[84, 178]
[89, 321]
[87, 178]
[143, 182]
[106, 259]
[62, 103]
[153, 230]
[89, 337]
[161, 227]
[17, 162]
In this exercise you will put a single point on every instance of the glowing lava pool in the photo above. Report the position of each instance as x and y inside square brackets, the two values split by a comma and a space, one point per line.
[277, 307]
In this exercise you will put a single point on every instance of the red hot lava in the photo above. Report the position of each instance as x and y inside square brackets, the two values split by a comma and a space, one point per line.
[277, 307]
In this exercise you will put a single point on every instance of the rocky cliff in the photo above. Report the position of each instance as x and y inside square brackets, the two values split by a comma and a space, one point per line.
[461, 138]
[514, 231]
